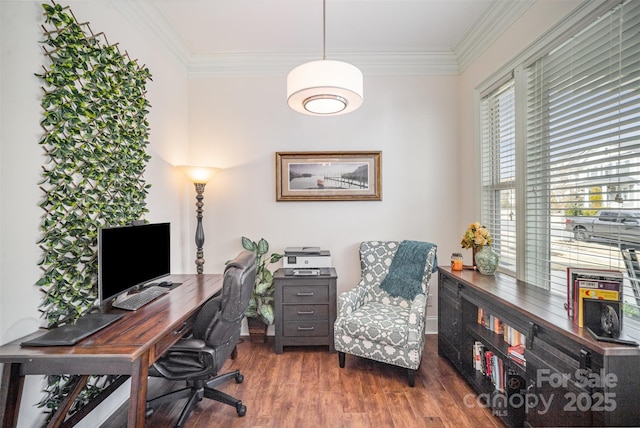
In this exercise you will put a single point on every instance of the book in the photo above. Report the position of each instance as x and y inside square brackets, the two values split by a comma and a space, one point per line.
[478, 349]
[595, 289]
[516, 353]
[488, 355]
[498, 326]
[575, 273]
[513, 336]
[498, 373]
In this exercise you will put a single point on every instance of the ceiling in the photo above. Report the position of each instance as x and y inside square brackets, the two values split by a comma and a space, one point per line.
[269, 37]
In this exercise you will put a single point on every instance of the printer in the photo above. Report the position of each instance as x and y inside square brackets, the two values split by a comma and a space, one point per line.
[306, 261]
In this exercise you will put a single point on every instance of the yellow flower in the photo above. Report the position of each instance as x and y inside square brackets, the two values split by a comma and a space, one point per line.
[475, 236]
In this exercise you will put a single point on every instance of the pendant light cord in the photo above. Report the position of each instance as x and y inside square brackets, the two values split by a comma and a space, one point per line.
[324, 29]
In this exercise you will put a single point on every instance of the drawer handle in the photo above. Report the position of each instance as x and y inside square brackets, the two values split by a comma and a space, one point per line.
[181, 330]
[309, 293]
[306, 312]
[306, 328]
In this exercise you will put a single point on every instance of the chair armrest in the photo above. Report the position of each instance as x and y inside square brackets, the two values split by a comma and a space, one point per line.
[418, 317]
[188, 345]
[187, 359]
[351, 300]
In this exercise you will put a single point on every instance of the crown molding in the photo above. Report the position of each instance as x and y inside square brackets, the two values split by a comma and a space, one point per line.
[278, 64]
[155, 25]
[484, 31]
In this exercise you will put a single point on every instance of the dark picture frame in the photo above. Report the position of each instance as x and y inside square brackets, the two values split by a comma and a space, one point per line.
[329, 176]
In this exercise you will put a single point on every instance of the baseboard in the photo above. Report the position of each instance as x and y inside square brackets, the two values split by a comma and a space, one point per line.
[244, 330]
[432, 325]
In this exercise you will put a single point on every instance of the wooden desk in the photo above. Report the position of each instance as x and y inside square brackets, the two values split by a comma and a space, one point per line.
[127, 347]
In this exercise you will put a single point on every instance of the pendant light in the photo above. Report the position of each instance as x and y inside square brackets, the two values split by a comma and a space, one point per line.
[324, 88]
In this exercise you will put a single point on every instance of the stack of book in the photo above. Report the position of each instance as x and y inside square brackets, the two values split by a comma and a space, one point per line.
[489, 321]
[595, 284]
[490, 365]
[494, 324]
[516, 353]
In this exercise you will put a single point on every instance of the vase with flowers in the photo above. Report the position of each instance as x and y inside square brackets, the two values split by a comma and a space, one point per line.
[478, 238]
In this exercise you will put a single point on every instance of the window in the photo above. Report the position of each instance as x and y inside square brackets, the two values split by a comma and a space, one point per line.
[573, 169]
[499, 171]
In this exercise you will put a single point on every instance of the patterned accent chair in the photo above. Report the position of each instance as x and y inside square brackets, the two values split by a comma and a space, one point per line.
[373, 324]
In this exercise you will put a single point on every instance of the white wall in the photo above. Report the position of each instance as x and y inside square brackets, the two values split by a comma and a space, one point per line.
[21, 157]
[239, 124]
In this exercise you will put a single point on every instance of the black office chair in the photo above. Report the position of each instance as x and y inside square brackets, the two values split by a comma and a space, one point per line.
[198, 358]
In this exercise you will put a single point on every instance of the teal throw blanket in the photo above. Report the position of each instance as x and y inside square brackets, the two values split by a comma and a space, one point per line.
[407, 269]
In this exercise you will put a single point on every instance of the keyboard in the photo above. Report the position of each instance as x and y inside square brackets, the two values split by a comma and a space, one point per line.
[138, 300]
[70, 334]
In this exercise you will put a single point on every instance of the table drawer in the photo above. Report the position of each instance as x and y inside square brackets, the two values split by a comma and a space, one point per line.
[305, 294]
[170, 339]
[306, 328]
[306, 312]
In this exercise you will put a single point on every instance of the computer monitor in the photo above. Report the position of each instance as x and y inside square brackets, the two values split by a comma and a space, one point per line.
[131, 256]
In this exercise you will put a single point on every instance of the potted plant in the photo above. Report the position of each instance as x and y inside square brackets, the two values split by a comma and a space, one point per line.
[260, 310]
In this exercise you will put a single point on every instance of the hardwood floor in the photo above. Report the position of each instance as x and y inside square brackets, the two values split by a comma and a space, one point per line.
[305, 387]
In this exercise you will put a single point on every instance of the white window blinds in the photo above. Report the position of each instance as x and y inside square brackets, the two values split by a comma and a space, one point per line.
[499, 171]
[583, 145]
[583, 153]
[576, 177]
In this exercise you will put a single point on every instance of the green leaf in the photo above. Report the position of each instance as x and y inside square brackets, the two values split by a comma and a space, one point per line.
[248, 244]
[263, 247]
[275, 257]
[251, 313]
[267, 314]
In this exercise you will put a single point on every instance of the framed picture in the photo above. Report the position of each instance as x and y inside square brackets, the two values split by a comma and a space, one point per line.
[328, 176]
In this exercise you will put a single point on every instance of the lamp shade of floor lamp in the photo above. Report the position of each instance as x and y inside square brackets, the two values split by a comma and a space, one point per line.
[199, 176]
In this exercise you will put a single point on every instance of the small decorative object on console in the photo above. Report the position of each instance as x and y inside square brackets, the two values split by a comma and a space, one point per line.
[478, 238]
[456, 261]
[487, 260]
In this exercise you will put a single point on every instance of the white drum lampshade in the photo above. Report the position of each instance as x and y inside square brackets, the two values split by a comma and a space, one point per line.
[325, 88]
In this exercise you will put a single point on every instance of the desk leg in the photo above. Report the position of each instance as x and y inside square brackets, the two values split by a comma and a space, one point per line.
[138, 400]
[77, 384]
[10, 394]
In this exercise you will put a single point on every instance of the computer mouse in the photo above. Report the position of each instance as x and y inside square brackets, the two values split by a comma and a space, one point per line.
[166, 284]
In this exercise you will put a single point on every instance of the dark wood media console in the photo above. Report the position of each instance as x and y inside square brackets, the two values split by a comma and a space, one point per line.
[570, 379]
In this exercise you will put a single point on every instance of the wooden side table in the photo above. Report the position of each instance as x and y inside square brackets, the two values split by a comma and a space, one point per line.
[305, 310]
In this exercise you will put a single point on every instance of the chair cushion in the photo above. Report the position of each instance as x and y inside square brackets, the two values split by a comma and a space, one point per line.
[377, 322]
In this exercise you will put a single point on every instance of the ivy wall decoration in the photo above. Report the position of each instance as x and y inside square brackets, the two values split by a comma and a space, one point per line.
[95, 139]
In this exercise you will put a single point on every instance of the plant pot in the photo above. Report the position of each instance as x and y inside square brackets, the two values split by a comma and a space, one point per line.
[257, 330]
[487, 260]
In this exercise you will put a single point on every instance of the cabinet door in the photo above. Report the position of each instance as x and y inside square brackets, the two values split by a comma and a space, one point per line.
[553, 398]
[449, 327]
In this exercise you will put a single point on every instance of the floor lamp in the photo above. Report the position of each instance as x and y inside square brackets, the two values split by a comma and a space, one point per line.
[199, 176]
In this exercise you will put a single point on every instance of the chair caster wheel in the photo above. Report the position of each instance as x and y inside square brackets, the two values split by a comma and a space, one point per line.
[239, 378]
[241, 410]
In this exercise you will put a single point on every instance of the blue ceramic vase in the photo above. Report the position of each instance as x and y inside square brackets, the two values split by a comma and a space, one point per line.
[486, 260]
